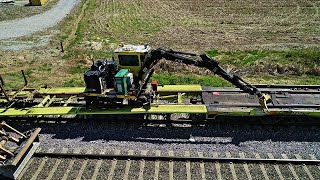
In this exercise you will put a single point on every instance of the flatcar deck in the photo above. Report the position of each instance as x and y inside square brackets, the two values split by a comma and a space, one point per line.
[287, 101]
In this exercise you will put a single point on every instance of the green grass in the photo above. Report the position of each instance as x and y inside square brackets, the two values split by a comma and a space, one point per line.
[84, 24]
[45, 67]
[74, 82]
[132, 19]
[306, 57]
[293, 80]
[15, 79]
[79, 69]
[173, 79]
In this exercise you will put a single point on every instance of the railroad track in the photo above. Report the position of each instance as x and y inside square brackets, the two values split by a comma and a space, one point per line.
[83, 164]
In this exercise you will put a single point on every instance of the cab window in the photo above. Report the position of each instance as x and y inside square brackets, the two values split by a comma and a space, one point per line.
[128, 60]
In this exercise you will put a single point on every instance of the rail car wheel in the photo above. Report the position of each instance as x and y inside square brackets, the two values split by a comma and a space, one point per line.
[89, 100]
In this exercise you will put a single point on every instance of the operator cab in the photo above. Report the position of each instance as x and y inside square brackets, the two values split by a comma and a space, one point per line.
[130, 56]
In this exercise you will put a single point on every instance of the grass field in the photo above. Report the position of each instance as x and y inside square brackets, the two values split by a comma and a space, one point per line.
[257, 39]
[264, 41]
[204, 25]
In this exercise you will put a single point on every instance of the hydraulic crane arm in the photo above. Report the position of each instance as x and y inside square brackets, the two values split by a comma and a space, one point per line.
[153, 57]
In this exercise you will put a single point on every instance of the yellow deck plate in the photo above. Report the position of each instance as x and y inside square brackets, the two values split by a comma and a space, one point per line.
[179, 88]
[119, 111]
[65, 90]
[179, 109]
[201, 109]
[13, 112]
[53, 111]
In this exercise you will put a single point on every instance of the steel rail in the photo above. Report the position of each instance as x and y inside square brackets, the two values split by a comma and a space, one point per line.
[269, 106]
[177, 158]
[271, 91]
[286, 86]
[252, 105]
[283, 86]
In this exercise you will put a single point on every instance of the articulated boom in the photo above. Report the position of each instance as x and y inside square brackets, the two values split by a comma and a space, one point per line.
[196, 60]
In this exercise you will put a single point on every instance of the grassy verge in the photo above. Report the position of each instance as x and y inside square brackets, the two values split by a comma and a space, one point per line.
[173, 79]
[307, 57]
[290, 62]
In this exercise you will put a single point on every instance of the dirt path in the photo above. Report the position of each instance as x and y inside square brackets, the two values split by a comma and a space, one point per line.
[26, 26]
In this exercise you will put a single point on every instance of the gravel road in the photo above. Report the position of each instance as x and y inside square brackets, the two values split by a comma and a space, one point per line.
[26, 26]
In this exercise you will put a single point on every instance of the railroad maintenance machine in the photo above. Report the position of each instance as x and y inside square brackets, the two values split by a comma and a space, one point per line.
[121, 86]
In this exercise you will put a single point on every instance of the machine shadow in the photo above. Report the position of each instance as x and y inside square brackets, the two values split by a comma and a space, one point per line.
[91, 130]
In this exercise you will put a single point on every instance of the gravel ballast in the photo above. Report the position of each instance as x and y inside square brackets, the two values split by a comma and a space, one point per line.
[95, 135]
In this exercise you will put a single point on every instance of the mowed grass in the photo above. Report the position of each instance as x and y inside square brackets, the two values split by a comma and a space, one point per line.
[289, 62]
[203, 25]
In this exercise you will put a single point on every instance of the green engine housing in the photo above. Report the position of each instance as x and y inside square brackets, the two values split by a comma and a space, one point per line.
[124, 81]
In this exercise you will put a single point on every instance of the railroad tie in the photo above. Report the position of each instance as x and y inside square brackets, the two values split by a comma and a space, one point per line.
[128, 164]
[202, 169]
[263, 169]
[293, 172]
[142, 165]
[66, 174]
[171, 166]
[246, 167]
[276, 167]
[56, 165]
[157, 166]
[218, 167]
[305, 167]
[97, 167]
[43, 162]
[83, 166]
[231, 165]
[188, 165]
[113, 166]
